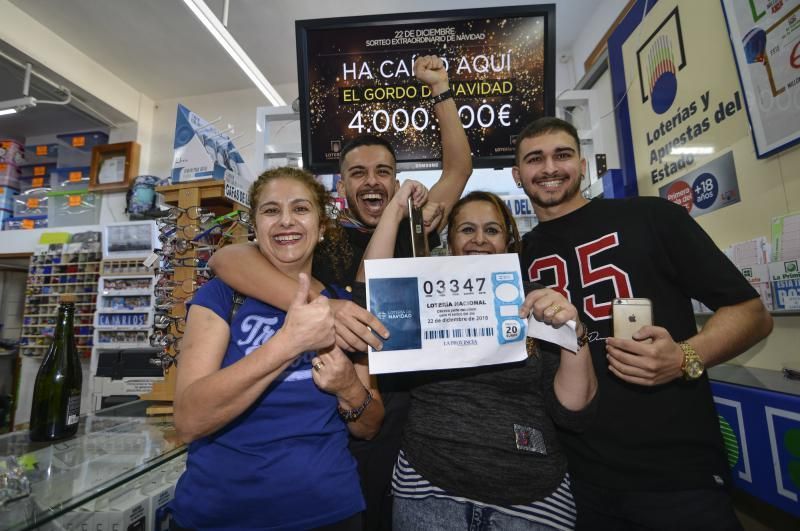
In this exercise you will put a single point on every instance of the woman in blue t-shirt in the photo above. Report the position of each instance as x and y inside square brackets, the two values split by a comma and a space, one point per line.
[264, 397]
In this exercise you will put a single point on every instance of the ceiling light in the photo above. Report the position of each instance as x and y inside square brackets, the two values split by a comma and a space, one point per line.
[226, 40]
[17, 105]
[700, 150]
[26, 102]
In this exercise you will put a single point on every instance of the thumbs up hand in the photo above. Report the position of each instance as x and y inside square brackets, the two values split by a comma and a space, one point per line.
[309, 325]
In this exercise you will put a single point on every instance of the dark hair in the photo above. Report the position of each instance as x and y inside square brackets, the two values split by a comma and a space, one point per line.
[514, 245]
[335, 248]
[365, 140]
[546, 124]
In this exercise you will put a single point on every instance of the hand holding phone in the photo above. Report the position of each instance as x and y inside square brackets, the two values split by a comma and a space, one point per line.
[630, 315]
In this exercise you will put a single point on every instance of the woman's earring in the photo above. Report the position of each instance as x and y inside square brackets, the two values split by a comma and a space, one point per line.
[321, 237]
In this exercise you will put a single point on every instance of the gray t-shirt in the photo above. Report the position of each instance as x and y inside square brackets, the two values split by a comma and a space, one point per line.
[488, 433]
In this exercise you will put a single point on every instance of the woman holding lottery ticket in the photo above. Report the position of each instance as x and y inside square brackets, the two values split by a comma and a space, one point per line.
[264, 397]
[480, 444]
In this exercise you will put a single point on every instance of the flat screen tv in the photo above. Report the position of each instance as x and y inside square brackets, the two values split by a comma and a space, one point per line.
[356, 76]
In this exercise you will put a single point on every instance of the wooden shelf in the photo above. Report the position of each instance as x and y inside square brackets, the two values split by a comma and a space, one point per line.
[211, 194]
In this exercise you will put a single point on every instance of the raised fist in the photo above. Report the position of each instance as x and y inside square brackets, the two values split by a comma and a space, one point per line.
[430, 70]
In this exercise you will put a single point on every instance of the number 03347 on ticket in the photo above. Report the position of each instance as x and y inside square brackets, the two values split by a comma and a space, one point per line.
[446, 312]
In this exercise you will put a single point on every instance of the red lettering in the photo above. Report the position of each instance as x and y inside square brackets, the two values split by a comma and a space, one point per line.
[559, 267]
[590, 276]
[794, 57]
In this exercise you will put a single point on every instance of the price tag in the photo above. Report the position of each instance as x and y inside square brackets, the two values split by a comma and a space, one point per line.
[39, 170]
[78, 141]
[150, 260]
[37, 182]
[74, 200]
[446, 312]
[75, 176]
[41, 150]
[27, 224]
[32, 202]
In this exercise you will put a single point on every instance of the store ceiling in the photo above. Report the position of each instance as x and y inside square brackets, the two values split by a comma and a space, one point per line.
[40, 119]
[159, 48]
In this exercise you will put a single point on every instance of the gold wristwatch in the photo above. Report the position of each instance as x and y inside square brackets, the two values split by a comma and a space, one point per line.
[692, 366]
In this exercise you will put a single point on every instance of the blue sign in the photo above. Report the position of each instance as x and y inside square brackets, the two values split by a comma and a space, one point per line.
[395, 301]
[761, 430]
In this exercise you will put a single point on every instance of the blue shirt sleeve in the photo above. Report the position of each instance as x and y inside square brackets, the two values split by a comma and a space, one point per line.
[216, 296]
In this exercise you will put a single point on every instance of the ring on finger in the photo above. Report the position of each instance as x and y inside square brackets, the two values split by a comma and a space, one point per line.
[318, 366]
[556, 308]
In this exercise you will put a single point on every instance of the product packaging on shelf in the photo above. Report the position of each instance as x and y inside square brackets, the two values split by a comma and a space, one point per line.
[84, 141]
[759, 278]
[76, 207]
[9, 175]
[7, 197]
[11, 151]
[24, 222]
[41, 154]
[70, 178]
[36, 177]
[785, 277]
[32, 203]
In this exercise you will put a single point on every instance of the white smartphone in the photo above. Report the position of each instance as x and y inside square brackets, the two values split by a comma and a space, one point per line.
[629, 315]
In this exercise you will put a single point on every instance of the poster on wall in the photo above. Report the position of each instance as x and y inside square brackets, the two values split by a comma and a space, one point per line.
[201, 151]
[708, 188]
[681, 101]
[356, 77]
[765, 36]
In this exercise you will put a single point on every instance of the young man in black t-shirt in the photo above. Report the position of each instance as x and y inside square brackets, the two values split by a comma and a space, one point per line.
[654, 457]
[368, 181]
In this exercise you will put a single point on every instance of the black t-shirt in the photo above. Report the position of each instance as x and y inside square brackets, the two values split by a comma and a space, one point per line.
[376, 457]
[359, 239]
[644, 438]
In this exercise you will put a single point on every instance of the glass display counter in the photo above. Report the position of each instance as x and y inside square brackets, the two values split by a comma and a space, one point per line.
[759, 414]
[112, 448]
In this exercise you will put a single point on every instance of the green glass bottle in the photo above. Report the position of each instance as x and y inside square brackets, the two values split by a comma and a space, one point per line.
[57, 393]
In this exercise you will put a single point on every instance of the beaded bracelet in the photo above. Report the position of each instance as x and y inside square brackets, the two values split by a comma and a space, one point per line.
[352, 415]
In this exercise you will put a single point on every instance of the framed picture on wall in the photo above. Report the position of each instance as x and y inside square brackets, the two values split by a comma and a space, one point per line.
[765, 41]
[135, 239]
[113, 166]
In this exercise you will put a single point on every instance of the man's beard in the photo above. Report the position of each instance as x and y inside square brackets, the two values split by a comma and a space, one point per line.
[545, 200]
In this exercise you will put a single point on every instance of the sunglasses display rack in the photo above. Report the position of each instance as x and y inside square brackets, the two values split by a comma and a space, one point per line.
[200, 221]
[121, 365]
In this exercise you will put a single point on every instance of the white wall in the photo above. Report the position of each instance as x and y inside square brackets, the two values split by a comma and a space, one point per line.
[234, 109]
[605, 13]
